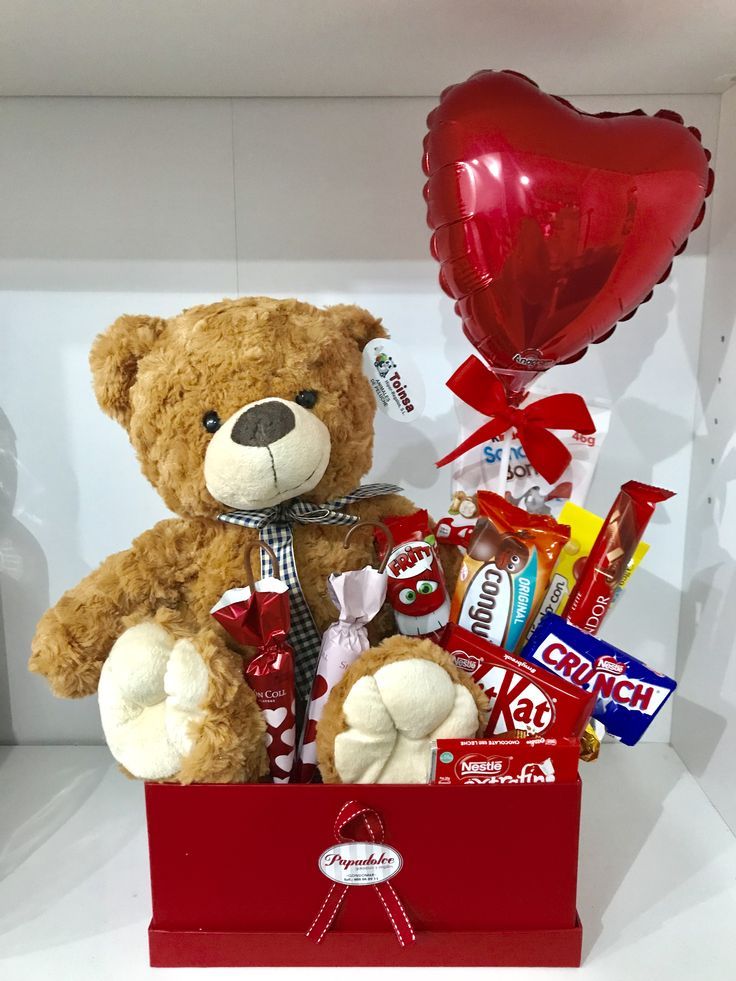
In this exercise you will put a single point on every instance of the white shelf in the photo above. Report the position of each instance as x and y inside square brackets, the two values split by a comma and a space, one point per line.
[657, 892]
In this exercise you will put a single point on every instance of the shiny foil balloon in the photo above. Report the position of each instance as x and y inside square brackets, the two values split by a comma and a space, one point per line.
[551, 224]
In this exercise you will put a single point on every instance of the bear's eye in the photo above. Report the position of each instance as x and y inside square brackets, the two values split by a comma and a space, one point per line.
[307, 398]
[211, 421]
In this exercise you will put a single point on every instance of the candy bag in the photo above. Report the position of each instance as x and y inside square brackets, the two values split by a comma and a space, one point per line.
[526, 488]
[506, 572]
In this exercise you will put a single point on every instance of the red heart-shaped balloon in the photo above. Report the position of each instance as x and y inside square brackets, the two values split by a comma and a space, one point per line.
[551, 224]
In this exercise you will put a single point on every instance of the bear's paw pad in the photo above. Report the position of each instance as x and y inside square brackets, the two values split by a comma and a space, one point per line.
[394, 716]
[151, 693]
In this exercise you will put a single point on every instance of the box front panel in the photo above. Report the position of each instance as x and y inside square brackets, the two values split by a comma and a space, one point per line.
[244, 857]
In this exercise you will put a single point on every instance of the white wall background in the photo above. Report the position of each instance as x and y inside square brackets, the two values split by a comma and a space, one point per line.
[113, 206]
[704, 729]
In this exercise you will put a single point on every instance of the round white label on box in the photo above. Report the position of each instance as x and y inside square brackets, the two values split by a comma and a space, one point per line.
[360, 863]
[394, 378]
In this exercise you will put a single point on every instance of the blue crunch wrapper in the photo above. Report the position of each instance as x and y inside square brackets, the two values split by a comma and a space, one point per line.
[629, 693]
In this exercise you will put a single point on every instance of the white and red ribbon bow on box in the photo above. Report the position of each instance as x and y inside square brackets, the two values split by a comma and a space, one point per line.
[355, 822]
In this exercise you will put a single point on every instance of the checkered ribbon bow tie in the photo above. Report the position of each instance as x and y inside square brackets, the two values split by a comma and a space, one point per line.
[275, 527]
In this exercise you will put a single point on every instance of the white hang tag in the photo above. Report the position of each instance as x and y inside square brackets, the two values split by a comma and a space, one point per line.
[395, 380]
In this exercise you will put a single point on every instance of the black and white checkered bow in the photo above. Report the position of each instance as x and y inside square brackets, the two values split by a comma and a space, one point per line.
[275, 524]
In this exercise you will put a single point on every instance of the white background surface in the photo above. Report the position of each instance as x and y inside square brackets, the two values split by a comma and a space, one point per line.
[704, 731]
[350, 47]
[657, 888]
[109, 206]
[125, 206]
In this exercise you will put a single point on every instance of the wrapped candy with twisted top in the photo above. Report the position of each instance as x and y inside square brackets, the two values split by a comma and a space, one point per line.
[358, 595]
[257, 615]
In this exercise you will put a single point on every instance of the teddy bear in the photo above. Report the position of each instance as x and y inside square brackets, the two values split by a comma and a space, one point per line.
[238, 408]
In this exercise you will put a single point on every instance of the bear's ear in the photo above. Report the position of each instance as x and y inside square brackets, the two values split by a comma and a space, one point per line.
[114, 361]
[358, 323]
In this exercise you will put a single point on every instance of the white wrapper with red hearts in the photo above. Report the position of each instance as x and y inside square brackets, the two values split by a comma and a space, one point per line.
[358, 595]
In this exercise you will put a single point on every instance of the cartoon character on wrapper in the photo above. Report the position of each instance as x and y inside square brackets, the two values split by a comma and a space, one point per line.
[416, 584]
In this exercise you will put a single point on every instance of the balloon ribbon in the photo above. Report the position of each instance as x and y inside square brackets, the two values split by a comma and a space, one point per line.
[355, 822]
[479, 388]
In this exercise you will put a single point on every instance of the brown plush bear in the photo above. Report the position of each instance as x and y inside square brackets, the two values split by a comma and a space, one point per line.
[242, 404]
[383, 716]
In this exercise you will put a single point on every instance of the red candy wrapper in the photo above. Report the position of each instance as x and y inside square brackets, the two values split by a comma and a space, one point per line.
[611, 554]
[258, 616]
[523, 697]
[416, 583]
[462, 761]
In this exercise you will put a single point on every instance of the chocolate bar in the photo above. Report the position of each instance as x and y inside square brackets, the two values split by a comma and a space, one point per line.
[628, 693]
[522, 696]
[504, 761]
[611, 554]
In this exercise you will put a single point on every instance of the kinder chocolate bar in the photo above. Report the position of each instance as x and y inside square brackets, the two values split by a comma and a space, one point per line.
[503, 761]
[611, 554]
[521, 695]
[584, 528]
[416, 587]
[506, 572]
[628, 693]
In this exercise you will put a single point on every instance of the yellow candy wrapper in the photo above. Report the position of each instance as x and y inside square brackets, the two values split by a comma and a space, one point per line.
[584, 528]
[590, 744]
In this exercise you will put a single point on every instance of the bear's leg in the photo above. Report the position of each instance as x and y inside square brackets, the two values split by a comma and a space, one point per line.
[178, 708]
[229, 742]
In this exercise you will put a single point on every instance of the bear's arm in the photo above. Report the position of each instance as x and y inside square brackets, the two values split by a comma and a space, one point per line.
[74, 637]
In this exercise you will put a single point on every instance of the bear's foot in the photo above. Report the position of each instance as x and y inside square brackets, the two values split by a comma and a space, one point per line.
[152, 691]
[392, 718]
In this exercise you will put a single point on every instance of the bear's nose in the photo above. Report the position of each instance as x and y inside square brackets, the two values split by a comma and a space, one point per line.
[263, 424]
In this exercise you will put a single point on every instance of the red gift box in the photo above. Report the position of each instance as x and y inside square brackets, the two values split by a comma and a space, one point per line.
[488, 877]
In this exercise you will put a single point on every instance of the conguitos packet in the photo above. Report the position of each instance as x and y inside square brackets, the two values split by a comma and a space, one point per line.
[506, 572]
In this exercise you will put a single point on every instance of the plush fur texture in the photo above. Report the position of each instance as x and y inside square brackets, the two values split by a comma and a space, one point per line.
[159, 378]
[392, 703]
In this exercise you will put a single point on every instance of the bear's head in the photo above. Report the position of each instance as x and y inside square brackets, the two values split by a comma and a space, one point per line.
[244, 403]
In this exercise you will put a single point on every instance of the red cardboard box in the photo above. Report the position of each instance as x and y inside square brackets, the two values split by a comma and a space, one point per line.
[488, 877]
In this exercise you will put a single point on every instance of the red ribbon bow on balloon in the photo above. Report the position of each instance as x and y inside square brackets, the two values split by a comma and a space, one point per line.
[357, 823]
[479, 388]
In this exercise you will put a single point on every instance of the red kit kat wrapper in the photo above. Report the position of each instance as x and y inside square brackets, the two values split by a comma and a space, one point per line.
[523, 697]
[612, 551]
